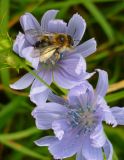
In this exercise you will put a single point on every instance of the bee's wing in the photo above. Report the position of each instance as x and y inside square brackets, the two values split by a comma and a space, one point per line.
[33, 34]
[44, 53]
[36, 33]
[47, 52]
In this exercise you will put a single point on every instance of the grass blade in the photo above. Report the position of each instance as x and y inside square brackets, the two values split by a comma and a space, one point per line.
[19, 135]
[9, 110]
[115, 96]
[99, 18]
[20, 148]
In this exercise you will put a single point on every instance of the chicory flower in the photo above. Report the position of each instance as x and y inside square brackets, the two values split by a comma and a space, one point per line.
[69, 70]
[77, 122]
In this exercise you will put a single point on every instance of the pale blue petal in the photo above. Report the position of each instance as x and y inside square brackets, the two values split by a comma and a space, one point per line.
[69, 60]
[23, 82]
[47, 113]
[87, 75]
[68, 146]
[87, 48]
[19, 38]
[90, 152]
[57, 26]
[39, 98]
[102, 84]
[108, 150]
[62, 79]
[28, 21]
[45, 141]
[53, 108]
[81, 95]
[60, 127]
[98, 137]
[54, 98]
[76, 28]
[42, 120]
[79, 156]
[26, 53]
[109, 118]
[38, 89]
[118, 113]
[70, 71]
[107, 114]
[49, 15]
[20, 43]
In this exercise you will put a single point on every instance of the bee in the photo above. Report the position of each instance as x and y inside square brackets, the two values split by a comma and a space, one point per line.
[49, 46]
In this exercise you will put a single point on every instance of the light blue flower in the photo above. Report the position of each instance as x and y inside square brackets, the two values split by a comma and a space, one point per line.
[77, 122]
[69, 70]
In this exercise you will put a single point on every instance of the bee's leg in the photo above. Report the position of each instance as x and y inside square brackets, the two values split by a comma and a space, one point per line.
[57, 55]
[53, 59]
[53, 62]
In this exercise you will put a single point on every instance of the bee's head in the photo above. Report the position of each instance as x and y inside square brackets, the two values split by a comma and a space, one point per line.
[64, 40]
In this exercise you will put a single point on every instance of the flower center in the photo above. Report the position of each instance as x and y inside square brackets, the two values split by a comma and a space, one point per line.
[84, 120]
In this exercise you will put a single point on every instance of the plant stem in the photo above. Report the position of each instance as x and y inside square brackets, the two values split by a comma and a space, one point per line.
[39, 78]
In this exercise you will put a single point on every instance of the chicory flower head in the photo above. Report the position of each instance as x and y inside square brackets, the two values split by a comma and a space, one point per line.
[77, 122]
[69, 70]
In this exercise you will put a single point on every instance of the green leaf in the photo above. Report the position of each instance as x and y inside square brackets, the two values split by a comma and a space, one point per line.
[7, 57]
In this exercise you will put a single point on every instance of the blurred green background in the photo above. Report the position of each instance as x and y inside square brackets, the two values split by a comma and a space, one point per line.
[105, 22]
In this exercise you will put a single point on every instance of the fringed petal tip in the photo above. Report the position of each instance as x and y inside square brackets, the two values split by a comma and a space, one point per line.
[118, 113]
